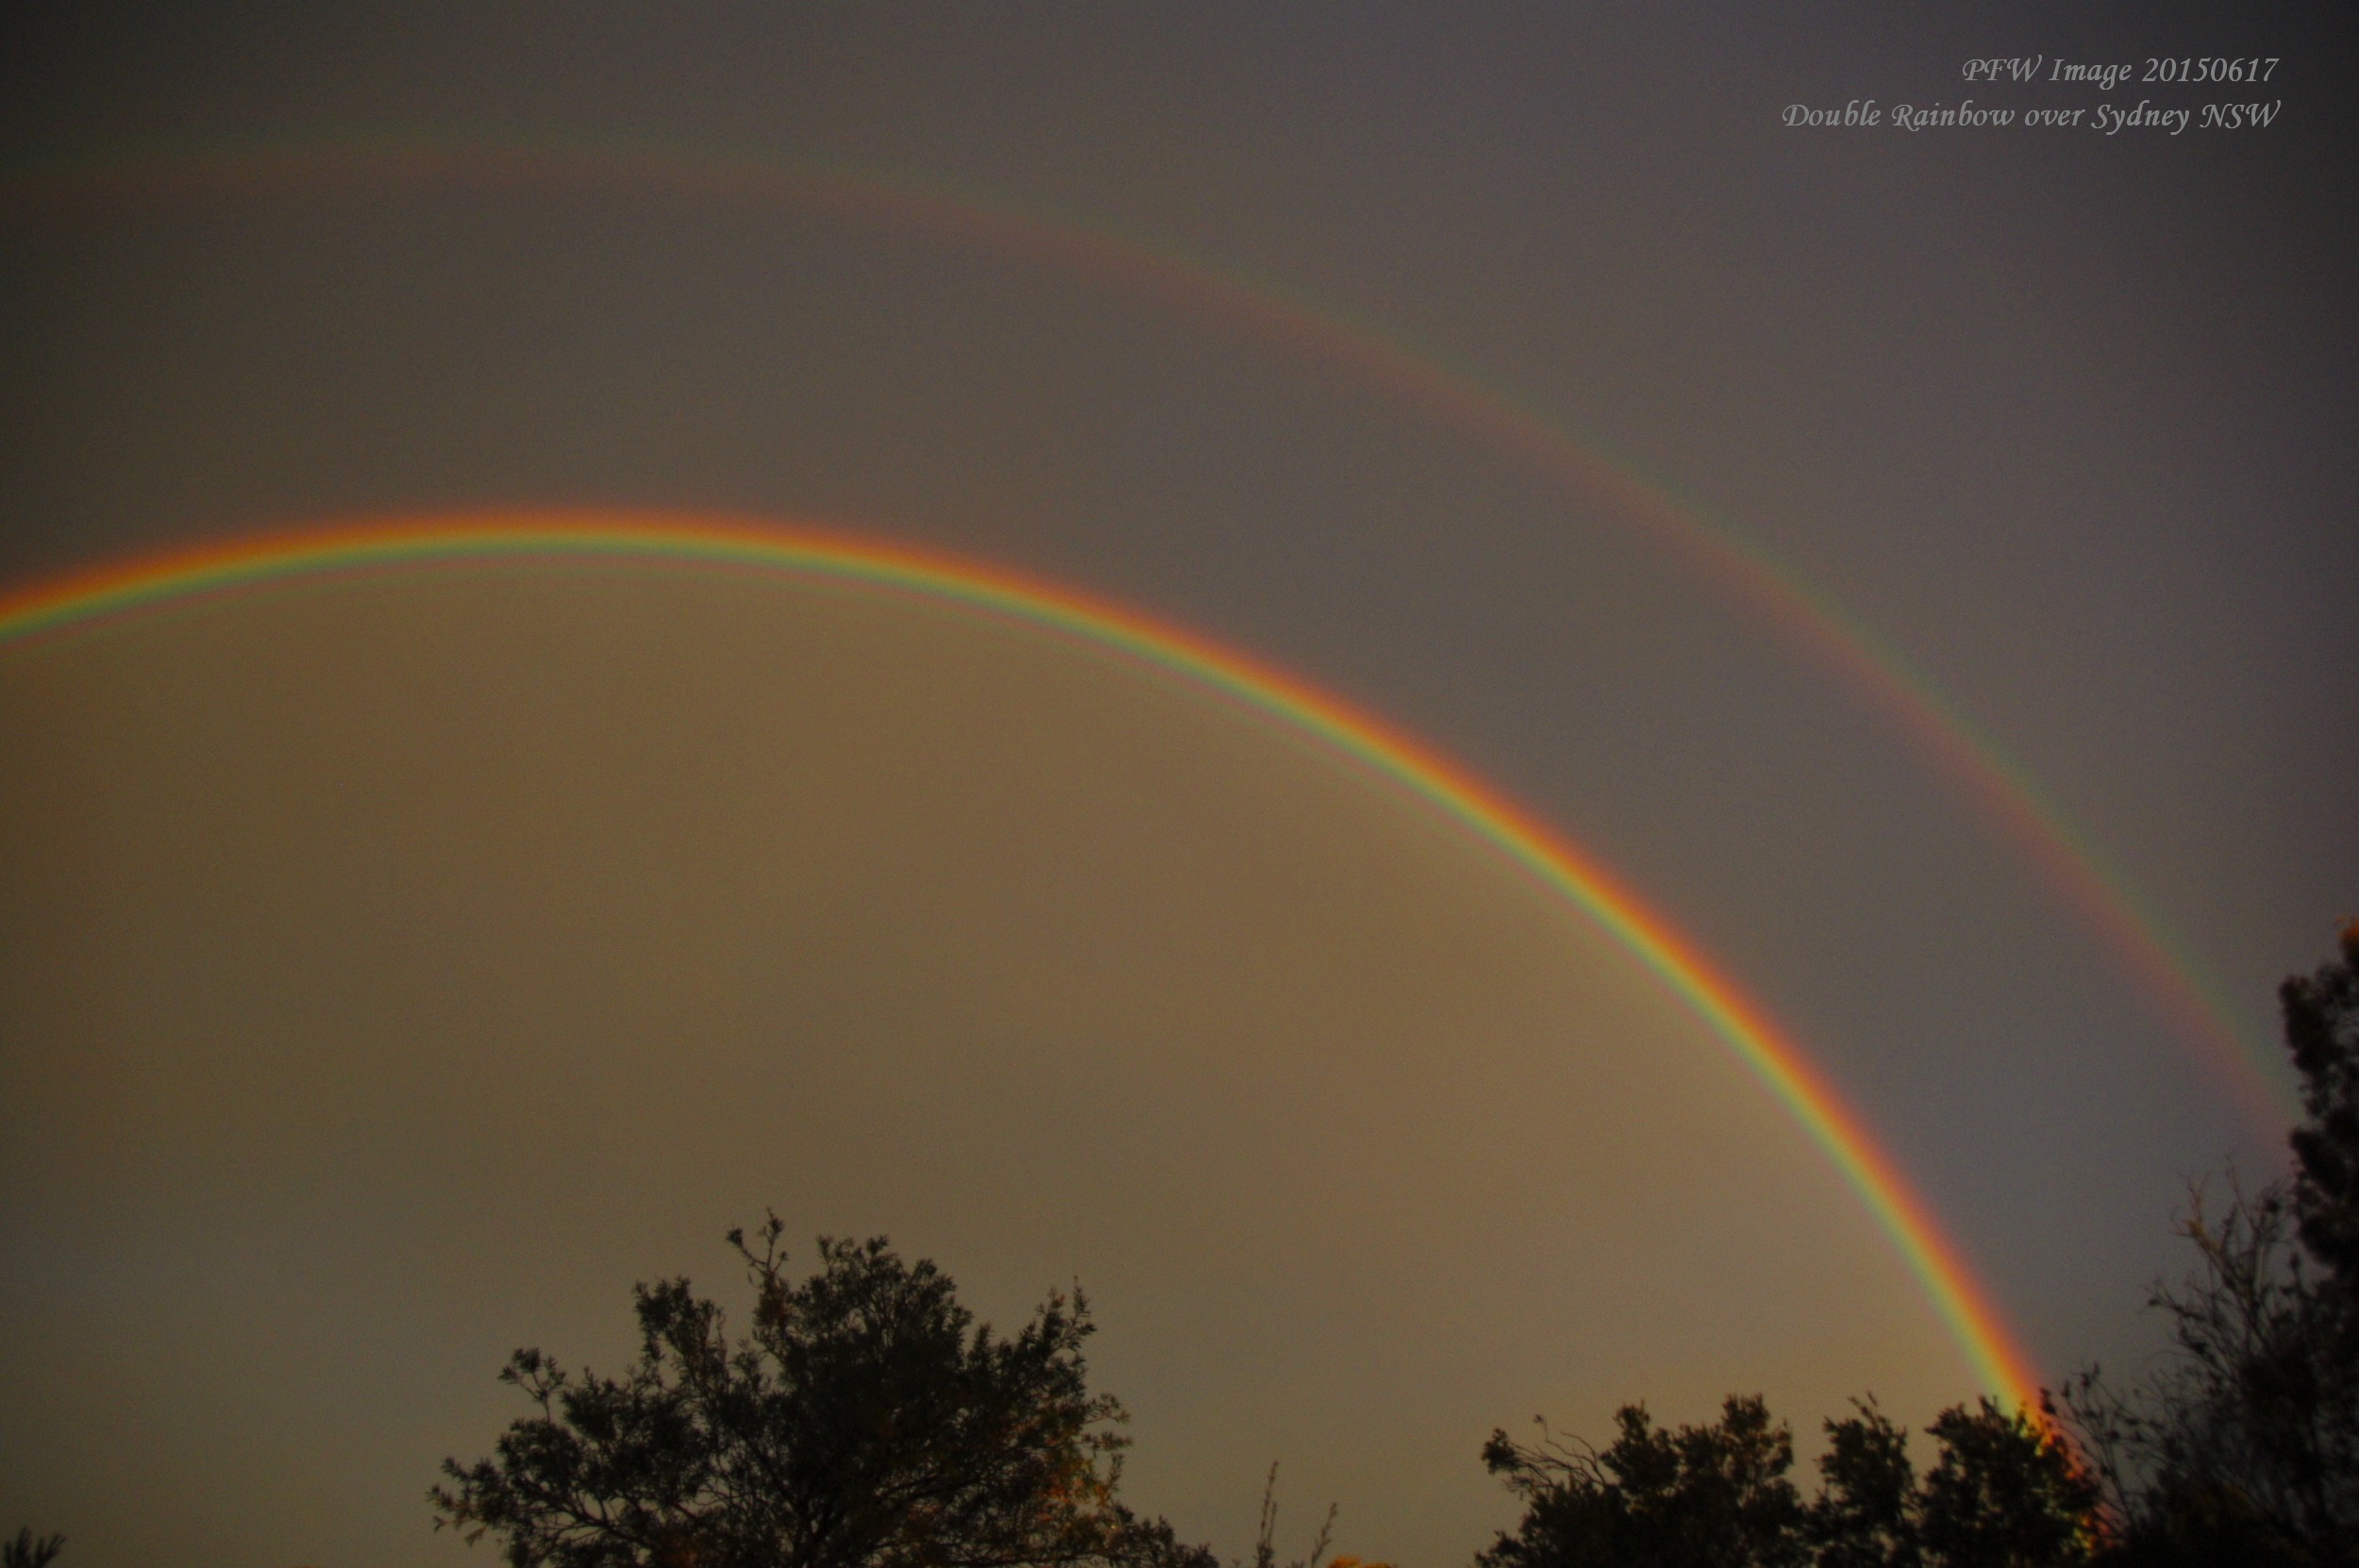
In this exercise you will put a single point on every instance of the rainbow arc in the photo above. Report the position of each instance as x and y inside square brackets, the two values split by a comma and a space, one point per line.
[33, 615]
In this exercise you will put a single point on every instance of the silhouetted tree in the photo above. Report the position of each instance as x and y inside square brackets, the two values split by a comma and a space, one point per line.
[2243, 1447]
[2322, 1030]
[2006, 1492]
[1265, 1541]
[1865, 1514]
[30, 1551]
[1699, 1497]
[865, 1423]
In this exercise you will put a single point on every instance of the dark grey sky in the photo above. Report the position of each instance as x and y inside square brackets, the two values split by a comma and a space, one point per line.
[2064, 417]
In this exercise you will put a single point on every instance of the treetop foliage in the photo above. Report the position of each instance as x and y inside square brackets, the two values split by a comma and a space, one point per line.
[2322, 1030]
[27, 1550]
[864, 1421]
[2006, 1492]
[1699, 1495]
[2242, 1446]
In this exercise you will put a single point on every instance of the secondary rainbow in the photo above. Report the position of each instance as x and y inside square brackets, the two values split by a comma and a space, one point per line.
[2171, 977]
[34, 614]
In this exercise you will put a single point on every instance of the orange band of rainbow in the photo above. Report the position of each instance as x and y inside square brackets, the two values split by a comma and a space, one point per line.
[1195, 661]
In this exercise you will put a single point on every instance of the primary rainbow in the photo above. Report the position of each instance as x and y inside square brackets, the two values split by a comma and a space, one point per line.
[78, 599]
[2171, 975]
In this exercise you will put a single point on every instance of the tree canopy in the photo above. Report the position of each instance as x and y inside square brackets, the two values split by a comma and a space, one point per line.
[2005, 1492]
[2321, 1014]
[2242, 1446]
[1699, 1497]
[27, 1550]
[864, 1421]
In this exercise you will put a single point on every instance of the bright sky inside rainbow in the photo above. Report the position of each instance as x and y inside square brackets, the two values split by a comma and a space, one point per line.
[31, 615]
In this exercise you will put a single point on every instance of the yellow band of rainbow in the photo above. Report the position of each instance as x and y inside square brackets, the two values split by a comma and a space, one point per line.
[1196, 662]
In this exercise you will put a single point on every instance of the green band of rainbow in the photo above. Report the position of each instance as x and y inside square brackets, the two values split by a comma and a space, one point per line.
[2171, 977]
[1296, 707]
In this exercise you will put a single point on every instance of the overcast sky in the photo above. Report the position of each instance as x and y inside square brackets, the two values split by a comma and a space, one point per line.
[369, 957]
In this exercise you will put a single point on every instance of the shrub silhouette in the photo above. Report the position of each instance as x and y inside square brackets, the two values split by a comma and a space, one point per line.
[864, 1421]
